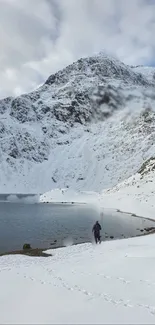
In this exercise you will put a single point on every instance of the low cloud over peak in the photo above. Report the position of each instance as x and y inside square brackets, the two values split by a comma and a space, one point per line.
[40, 37]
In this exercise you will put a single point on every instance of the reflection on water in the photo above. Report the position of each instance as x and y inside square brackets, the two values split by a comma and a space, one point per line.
[19, 198]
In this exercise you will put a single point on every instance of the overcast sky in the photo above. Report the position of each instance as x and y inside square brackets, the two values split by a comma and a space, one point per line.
[39, 37]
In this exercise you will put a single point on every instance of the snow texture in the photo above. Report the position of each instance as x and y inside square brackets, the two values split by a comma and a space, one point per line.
[135, 194]
[90, 126]
[112, 283]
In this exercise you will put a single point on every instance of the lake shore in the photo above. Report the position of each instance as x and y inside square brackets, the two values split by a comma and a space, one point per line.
[42, 252]
[35, 252]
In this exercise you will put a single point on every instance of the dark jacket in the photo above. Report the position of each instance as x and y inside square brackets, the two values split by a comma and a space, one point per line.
[96, 228]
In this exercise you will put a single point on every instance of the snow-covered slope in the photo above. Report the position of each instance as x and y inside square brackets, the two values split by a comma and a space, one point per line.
[134, 195]
[113, 283]
[148, 72]
[88, 127]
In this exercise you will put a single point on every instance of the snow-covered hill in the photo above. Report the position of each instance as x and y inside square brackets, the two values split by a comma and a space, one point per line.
[88, 127]
[134, 195]
[148, 72]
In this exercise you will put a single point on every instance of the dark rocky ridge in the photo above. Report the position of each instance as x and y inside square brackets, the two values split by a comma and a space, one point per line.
[70, 92]
[89, 90]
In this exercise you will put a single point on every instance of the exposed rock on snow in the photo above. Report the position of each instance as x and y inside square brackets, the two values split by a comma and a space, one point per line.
[99, 65]
[90, 126]
[4, 104]
[148, 166]
[136, 194]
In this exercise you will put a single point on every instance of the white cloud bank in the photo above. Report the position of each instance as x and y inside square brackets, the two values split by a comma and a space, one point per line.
[38, 37]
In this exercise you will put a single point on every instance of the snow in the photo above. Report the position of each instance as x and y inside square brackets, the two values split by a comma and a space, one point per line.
[48, 146]
[134, 195]
[148, 72]
[111, 283]
[90, 162]
[86, 128]
[68, 196]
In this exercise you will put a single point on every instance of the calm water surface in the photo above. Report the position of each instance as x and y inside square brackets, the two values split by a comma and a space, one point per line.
[53, 225]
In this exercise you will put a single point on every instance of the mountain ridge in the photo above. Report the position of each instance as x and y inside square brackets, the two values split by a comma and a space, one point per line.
[67, 114]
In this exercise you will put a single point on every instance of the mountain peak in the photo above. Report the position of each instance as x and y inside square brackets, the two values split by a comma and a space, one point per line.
[78, 122]
[100, 66]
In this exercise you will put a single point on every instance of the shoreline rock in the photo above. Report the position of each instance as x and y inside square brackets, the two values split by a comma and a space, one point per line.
[35, 252]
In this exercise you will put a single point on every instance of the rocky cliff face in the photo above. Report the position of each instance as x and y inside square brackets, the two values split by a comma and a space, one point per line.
[41, 131]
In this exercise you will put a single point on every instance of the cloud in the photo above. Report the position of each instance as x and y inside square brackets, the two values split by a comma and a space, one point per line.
[39, 37]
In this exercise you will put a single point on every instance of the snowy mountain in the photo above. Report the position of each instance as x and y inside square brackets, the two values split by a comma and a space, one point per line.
[135, 194]
[90, 126]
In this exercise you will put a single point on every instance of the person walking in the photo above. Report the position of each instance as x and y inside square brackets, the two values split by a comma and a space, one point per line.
[96, 230]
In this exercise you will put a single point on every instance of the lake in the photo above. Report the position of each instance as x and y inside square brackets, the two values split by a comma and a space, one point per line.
[55, 225]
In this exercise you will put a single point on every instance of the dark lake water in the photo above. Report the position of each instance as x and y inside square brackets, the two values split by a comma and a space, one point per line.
[53, 225]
